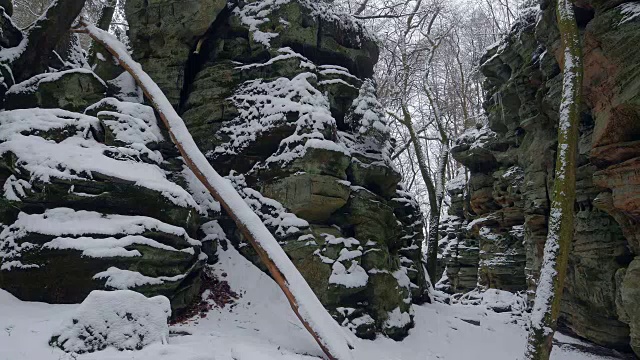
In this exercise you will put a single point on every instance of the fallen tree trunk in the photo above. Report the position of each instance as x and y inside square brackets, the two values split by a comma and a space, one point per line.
[43, 36]
[303, 301]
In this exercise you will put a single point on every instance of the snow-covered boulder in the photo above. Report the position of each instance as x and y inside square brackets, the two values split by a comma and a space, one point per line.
[71, 90]
[123, 319]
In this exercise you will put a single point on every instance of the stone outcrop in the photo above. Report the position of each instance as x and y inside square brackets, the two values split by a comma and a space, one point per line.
[459, 253]
[278, 95]
[73, 90]
[87, 204]
[167, 33]
[94, 196]
[251, 88]
[511, 163]
[613, 92]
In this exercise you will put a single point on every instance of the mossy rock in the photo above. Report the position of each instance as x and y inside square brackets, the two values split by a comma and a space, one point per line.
[319, 161]
[109, 197]
[320, 40]
[163, 34]
[376, 177]
[371, 219]
[311, 197]
[7, 5]
[64, 276]
[315, 272]
[385, 295]
[629, 301]
[376, 258]
[340, 295]
[341, 95]
[72, 90]
[11, 35]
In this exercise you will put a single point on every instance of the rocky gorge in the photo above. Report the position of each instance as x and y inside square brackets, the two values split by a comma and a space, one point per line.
[280, 97]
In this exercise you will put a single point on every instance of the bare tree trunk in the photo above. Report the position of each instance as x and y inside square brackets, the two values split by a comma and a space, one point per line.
[464, 103]
[546, 307]
[43, 36]
[438, 188]
[362, 7]
[303, 301]
[99, 58]
[434, 209]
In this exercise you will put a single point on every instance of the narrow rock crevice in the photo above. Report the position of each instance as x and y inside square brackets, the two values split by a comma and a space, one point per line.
[584, 16]
[200, 53]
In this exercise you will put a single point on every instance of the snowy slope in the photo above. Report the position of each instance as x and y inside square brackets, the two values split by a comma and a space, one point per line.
[261, 326]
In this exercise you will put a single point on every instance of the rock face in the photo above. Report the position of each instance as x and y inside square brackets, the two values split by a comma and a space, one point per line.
[278, 96]
[511, 164]
[167, 33]
[78, 214]
[459, 253]
[94, 196]
[73, 90]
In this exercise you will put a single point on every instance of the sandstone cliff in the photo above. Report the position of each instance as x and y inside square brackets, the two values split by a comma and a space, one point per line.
[498, 220]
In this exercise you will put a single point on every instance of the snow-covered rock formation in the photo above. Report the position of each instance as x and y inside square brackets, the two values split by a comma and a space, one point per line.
[511, 166]
[279, 96]
[122, 319]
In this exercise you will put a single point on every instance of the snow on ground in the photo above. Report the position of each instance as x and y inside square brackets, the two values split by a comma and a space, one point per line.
[261, 326]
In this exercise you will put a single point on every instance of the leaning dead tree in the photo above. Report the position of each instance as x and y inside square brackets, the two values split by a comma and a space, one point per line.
[42, 37]
[546, 307]
[303, 301]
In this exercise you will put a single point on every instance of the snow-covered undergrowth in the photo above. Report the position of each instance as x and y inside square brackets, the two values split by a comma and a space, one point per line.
[261, 326]
[123, 319]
